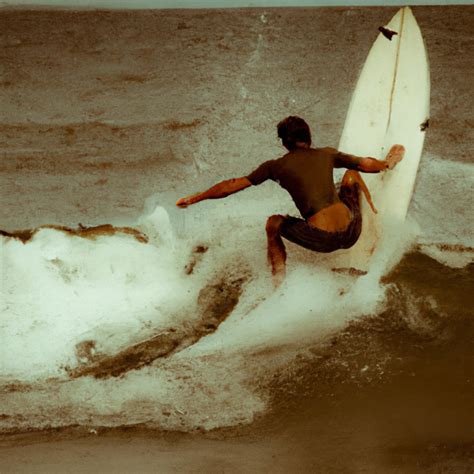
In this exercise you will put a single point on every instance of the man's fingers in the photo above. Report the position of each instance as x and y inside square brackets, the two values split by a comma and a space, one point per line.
[397, 149]
[371, 204]
[182, 202]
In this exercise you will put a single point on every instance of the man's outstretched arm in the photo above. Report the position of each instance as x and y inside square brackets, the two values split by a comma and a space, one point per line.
[372, 165]
[219, 190]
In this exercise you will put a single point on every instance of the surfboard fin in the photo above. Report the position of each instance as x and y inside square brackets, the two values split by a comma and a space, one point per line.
[387, 33]
[425, 125]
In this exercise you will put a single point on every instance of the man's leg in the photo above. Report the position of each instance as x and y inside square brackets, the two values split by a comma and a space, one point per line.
[353, 179]
[276, 249]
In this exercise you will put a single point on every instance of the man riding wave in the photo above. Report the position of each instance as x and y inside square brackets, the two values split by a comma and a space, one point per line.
[330, 220]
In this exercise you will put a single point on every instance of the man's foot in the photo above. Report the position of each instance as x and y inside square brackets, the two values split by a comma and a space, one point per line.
[278, 277]
[394, 156]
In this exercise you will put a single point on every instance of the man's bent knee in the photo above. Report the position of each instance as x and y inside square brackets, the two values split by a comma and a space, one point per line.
[350, 177]
[274, 223]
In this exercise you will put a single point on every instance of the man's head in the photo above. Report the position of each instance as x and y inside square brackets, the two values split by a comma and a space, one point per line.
[292, 131]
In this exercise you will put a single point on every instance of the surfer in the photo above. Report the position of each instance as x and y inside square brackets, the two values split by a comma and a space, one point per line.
[330, 220]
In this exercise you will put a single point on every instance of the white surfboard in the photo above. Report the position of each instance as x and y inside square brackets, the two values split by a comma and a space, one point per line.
[390, 105]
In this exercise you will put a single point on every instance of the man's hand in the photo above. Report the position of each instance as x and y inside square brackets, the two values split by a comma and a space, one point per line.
[372, 165]
[184, 202]
[394, 156]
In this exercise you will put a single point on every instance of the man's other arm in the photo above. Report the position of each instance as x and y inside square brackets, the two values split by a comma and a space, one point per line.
[219, 190]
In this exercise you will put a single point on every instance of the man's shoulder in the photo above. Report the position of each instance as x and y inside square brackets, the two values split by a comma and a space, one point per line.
[318, 152]
[309, 151]
[326, 150]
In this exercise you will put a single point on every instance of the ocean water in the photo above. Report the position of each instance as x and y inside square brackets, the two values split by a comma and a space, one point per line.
[176, 325]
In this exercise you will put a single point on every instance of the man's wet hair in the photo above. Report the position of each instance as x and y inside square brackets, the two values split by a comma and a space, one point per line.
[293, 129]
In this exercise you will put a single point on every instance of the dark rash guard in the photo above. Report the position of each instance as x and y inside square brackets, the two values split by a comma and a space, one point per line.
[307, 174]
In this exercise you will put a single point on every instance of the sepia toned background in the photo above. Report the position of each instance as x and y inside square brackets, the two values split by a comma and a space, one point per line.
[102, 109]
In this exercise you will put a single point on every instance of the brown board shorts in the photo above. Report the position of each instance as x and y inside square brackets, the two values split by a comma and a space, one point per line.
[298, 231]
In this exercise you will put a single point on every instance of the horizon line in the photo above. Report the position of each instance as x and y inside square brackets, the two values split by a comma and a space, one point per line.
[220, 4]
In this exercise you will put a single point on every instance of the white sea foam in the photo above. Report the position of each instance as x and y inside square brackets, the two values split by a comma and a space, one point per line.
[60, 290]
